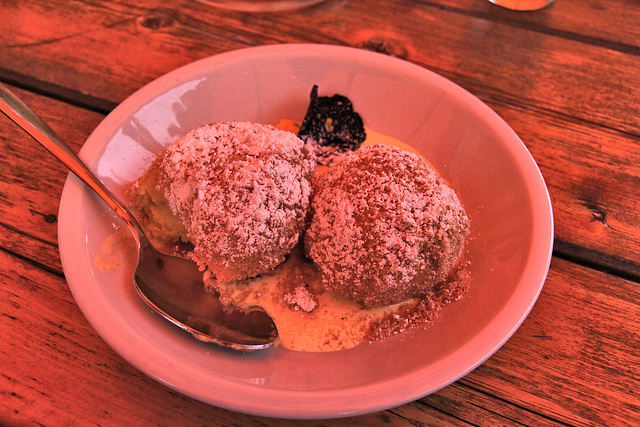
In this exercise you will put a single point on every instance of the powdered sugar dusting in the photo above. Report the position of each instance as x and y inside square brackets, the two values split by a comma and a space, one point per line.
[326, 154]
[242, 191]
[385, 226]
[301, 299]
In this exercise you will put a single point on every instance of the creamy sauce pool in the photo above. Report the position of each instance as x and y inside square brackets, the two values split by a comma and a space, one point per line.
[118, 247]
[308, 318]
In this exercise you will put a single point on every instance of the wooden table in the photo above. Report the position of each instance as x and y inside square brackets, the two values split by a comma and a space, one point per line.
[566, 79]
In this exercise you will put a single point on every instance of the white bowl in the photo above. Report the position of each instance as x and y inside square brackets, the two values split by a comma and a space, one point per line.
[476, 151]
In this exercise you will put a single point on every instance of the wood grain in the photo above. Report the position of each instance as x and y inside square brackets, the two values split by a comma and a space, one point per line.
[538, 378]
[593, 178]
[540, 69]
[580, 124]
[561, 357]
[31, 180]
[565, 79]
[615, 26]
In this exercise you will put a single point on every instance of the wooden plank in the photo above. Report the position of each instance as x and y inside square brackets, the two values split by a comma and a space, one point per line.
[18, 239]
[44, 337]
[616, 25]
[513, 65]
[56, 370]
[576, 359]
[31, 180]
[469, 406]
[108, 50]
[593, 175]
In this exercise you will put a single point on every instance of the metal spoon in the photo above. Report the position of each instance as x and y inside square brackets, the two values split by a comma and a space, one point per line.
[171, 286]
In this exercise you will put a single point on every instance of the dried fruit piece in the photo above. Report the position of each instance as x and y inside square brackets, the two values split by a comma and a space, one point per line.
[331, 127]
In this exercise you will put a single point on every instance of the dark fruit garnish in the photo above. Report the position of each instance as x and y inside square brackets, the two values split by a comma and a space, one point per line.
[331, 126]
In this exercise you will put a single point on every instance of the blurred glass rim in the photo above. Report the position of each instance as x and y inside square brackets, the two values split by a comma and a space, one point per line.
[261, 5]
[523, 5]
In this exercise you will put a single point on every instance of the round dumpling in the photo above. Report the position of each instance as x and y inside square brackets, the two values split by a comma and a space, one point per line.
[241, 191]
[384, 226]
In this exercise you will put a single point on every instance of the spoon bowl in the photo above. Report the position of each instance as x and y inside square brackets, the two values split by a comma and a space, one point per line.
[172, 286]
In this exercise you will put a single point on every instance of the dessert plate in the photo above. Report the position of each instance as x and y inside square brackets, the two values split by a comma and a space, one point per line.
[473, 148]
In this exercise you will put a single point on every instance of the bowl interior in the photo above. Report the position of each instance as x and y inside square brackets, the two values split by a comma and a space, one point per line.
[485, 162]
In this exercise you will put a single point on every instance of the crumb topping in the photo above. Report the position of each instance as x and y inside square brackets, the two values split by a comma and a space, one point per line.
[301, 299]
[385, 227]
[426, 308]
[242, 192]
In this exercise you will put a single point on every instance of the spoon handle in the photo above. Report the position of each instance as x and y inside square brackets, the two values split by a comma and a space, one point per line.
[24, 117]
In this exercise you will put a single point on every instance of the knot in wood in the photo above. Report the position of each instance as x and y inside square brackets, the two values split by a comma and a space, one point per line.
[385, 46]
[155, 21]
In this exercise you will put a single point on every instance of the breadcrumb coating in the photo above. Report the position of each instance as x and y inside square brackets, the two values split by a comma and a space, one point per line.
[384, 226]
[241, 191]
